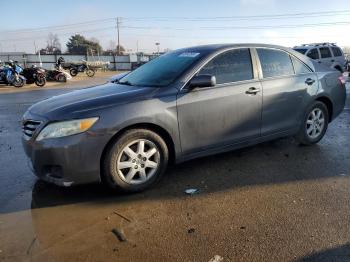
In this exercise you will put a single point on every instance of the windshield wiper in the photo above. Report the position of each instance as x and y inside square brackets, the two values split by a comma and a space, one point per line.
[127, 83]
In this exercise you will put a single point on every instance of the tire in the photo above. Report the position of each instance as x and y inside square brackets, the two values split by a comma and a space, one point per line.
[73, 72]
[305, 137]
[62, 78]
[18, 83]
[116, 177]
[40, 80]
[90, 72]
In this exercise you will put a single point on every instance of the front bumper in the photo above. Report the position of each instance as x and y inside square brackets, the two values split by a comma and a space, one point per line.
[67, 160]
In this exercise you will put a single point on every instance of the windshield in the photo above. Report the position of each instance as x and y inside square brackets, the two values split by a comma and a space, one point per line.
[301, 51]
[163, 70]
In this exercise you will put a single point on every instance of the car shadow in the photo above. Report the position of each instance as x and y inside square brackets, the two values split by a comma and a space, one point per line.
[273, 162]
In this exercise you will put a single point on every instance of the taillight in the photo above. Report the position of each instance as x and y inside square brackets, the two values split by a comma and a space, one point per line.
[342, 80]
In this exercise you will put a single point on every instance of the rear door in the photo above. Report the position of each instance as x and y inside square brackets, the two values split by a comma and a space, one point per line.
[284, 91]
[338, 56]
[227, 113]
[326, 56]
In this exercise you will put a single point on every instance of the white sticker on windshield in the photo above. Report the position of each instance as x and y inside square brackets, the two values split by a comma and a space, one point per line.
[189, 54]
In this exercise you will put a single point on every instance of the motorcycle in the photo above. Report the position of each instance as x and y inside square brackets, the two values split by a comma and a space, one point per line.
[10, 75]
[74, 69]
[58, 74]
[35, 75]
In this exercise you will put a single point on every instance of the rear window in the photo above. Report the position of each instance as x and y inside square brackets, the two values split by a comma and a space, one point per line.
[337, 51]
[275, 62]
[313, 54]
[325, 52]
[300, 67]
[301, 51]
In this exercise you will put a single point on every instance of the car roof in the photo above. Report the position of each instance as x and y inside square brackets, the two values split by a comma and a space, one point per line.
[217, 47]
[314, 45]
[221, 47]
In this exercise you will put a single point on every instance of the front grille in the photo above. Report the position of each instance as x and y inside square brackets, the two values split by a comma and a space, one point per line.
[29, 127]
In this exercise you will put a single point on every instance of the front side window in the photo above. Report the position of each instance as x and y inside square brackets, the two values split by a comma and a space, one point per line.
[337, 51]
[313, 54]
[325, 52]
[231, 66]
[275, 62]
[300, 67]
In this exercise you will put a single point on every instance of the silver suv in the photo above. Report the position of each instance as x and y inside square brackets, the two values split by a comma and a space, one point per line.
[328, 54]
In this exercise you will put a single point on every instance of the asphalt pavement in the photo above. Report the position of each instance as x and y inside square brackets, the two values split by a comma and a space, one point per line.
[276, 201]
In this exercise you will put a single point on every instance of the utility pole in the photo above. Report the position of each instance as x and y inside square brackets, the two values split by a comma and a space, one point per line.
[118, 40]
[157, 44]
[40, 62]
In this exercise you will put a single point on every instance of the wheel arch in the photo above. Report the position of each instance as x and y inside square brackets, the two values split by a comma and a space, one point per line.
[338, 67]
[162, 132]
[328, 102]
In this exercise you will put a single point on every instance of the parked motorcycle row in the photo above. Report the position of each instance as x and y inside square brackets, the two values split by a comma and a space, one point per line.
[13, 74]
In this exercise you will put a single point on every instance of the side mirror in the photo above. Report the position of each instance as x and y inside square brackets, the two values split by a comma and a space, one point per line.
[202, 81]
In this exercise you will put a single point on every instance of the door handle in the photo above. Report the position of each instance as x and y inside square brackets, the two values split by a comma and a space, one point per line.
[332, 60]
[309, 81]
[252, 91]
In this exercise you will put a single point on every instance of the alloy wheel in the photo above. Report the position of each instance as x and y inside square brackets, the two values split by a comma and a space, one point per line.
[315, 123]
[138, 161]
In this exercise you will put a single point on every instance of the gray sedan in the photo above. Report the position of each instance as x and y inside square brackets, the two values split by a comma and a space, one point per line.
[185, 104]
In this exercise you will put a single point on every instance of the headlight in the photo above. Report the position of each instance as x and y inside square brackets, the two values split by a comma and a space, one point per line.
[66, 128]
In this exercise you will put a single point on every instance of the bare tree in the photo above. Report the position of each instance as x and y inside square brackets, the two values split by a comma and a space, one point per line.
[53, 45]
[346, 50]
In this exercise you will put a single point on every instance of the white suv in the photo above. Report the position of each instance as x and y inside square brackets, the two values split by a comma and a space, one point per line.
[328, 54]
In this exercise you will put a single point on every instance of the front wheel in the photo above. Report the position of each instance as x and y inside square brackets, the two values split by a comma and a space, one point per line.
[314, 125]
[90, 72]
[18, 82]
[135, 161]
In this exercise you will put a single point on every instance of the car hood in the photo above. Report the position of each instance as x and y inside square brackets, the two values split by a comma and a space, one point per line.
[80, 102]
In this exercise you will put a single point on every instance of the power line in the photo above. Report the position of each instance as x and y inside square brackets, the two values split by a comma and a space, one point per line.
[209, 19]
[257, 17]
[239, 27]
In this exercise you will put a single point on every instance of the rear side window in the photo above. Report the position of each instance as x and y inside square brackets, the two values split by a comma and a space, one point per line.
[231, 66]
[325, 52]
[313, 54]
[300, 67]
[301, 51]
[337, 51]
[275, 63]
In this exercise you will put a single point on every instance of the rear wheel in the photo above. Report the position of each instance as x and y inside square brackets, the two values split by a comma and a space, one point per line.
[40, 80]
[62, 78]
[135, 161]
[73, 72]
[314, 125]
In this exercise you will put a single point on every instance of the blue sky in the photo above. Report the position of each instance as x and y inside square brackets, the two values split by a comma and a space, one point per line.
[147, 22]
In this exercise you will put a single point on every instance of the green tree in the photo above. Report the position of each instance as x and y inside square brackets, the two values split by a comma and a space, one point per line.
[79, 45]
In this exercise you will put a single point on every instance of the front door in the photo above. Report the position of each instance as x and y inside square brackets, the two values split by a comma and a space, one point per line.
[225, 114]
